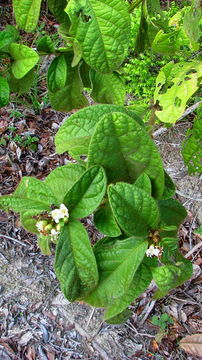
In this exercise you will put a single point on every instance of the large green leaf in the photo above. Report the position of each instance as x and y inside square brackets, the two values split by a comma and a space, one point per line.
[23, 85]
[191, 146]
[191, 23]
[134, 209]
[4, 92]
[45, 44]
[31, 194]
[57, 73]
[25, 59]
[169, 189]
[143, 182]
[103, 31]
[107, 88]
[86, 194]
[175, 84]
[105, 222]
[57, 7]
[7, 36]
[172, 212]
[75, 133]
[27, 13]
[28, 220]
[125, 150]
[175, 42]
[66, 93]
[168, 277]
[152, 19]
[75, 263]
[117, 265]
[63, 178]
[139, 284]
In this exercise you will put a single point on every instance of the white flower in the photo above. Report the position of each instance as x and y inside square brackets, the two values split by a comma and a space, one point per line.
[153, 251]
[64, 211]
[60, 213]
[54, 232]
[40, 226]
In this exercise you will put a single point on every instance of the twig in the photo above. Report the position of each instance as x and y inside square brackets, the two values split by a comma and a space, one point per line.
[188, 197]
[190, 110]
[90, 317]
[131, 327]
[14, 240]
[195, 248]
[147, 311]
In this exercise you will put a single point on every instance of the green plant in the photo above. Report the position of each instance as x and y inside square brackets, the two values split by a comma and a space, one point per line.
[163, 321]
[124, 184]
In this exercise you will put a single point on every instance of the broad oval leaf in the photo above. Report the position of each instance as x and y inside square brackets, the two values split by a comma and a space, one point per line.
[105, 222]
[168, 277]
[27, 13]
[169, 189]
[31, 194]
[45, 44]
[75, 133]
[103, 30]
[7, 36]
[139, 284]
[75, 263]
[107, 88]
[4, 92]
[134, 209]
[172, 213]
[57, 7]
[25, 59]
[143, 182]
[117, 265]
[69, 95]
[86, 194]
[125, 150]
[63, 178]
[23, 85]
[57, 73]
[175, 84]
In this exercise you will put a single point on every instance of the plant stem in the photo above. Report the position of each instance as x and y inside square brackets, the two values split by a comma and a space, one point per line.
[135, 4]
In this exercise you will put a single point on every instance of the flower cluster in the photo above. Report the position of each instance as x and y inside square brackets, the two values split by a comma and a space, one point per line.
[52, 226]
[153, 251]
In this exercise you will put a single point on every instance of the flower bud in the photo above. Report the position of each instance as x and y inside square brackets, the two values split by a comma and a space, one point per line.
[48, 227]
[58, 227]
[65, 219]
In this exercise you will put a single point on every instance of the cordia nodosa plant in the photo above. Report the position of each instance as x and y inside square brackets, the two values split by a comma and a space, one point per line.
[122, 181]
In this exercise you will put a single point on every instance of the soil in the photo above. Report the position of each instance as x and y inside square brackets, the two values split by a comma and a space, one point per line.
[36, 321]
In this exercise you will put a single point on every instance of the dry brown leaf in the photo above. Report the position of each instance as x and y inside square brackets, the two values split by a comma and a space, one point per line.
[192, 344]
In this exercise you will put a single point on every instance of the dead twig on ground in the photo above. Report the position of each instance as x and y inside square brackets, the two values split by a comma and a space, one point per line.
[147, 311]
[131, 327]
[187, 196]
[193, 250]
[14, 240]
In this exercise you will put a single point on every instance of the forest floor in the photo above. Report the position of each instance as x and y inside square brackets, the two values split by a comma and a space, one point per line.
[36, 321]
